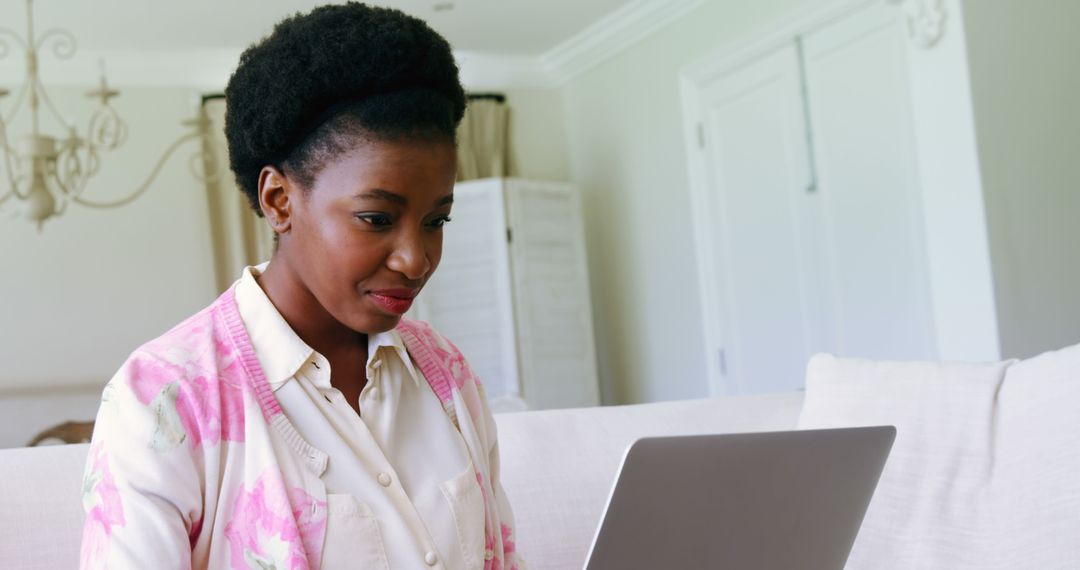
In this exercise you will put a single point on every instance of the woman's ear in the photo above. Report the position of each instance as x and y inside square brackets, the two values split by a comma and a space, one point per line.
[275, 195]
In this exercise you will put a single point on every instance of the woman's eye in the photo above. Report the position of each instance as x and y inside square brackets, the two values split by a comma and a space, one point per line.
[439, 222]
[376, 220]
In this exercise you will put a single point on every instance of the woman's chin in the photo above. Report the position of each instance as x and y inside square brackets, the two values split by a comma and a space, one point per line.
[372, 322]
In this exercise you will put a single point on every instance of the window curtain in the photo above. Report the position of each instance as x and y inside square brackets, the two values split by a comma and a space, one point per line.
[238, 236]
[483, 138]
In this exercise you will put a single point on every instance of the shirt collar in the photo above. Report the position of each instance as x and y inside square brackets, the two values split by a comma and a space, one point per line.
[280, 351]
[388, 345]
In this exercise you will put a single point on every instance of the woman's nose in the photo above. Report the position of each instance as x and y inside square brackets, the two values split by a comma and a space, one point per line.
[410, 256]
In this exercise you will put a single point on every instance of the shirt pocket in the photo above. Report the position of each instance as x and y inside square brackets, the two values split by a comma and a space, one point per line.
[467, 505]
[353, 539]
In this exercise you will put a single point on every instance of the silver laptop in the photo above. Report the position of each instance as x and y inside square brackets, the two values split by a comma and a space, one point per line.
[757, 501]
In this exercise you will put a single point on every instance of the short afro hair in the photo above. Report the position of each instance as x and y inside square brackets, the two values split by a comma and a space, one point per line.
[320, 80]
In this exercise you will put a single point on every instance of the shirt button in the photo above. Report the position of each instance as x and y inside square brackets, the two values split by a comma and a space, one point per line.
[374, 393]
[489, 554]
[385, 480]
[431, 558]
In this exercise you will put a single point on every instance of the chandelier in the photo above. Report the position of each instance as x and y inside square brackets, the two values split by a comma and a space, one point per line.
[45, 173]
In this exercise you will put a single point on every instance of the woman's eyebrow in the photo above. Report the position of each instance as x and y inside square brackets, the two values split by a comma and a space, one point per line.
[379, 194]
[445, 200]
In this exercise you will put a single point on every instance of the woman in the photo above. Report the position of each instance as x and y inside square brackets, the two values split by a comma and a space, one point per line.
[299, 421]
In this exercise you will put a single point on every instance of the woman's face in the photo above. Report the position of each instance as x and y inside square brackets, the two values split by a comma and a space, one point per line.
[367, 234]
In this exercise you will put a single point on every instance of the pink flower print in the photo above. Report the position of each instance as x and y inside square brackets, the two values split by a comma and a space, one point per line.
[509, 548]
[189, 406]
[101, 500]
[310, 516]
[268, 531]
[168, 429]
[451, 356]
[193, 534]
[508, 545]
[494, 562]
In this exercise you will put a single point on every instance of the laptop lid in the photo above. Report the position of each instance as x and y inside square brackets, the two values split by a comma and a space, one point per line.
[768, 501]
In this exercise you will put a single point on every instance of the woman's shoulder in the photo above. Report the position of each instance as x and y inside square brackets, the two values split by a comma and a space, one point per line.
[184, 349]
[431, 349]
[195, 370]
[444, 366]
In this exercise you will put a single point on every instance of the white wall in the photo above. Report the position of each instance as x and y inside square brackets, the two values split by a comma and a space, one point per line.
[537, 134]
[78, 297]
[624, 125]
[1025, 84]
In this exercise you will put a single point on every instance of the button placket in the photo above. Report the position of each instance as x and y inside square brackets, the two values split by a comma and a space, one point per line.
[374, 377]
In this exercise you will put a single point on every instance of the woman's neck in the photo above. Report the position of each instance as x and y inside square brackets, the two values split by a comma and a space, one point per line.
[307, 317]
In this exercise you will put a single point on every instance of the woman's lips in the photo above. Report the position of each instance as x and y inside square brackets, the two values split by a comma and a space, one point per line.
[396, 301]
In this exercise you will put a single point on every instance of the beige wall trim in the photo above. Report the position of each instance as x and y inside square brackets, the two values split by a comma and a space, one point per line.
[13, 388]
[611, 35]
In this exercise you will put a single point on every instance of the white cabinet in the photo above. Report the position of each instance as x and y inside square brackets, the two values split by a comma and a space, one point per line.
[512, 293]
[813, 212]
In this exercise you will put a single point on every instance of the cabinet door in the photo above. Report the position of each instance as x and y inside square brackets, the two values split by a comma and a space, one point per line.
[469, 298]
[551, 291]
[764, 283]
[859, 96]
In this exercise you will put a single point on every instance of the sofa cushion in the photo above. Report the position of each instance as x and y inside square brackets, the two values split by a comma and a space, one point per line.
[983, 473]
[558, 466]
[928, 508]
[1037, 475]
[41, 502]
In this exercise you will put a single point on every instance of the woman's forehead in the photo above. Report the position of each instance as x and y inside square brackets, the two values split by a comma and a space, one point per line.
[398, 171]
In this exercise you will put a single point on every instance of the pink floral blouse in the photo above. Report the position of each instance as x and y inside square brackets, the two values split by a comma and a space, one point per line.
[194, 465]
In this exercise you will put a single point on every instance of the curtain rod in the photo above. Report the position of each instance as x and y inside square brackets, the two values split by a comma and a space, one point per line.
[489, 96]
[471, 96]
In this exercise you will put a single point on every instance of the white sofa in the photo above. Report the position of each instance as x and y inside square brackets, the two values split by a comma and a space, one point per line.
[985, 472]
[557, 468]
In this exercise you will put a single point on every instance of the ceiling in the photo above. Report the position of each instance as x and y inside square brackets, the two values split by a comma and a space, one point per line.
[510, 27]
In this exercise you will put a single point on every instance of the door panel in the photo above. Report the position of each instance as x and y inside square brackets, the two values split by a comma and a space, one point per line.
[864, 148]
[758, 173]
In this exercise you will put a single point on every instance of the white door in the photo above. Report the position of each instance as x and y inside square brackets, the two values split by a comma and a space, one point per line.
[859, 96]
[813, 232]
[758, 209]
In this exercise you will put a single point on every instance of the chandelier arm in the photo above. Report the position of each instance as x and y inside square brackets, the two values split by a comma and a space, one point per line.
[5, 48]
[9, 33]
[8, 151]
[91, 166]
[61, 208]
[146, 183]
[20, 97]
[91, 162]
[63, 46]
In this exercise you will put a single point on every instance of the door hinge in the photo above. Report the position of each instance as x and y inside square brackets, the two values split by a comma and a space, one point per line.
[509, 235]
[723, 362]
[701, 135]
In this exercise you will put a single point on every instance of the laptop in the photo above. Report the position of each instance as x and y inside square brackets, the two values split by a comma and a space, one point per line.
[755, 501]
